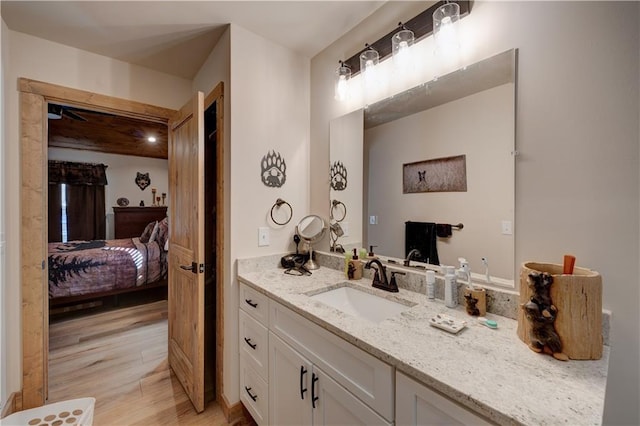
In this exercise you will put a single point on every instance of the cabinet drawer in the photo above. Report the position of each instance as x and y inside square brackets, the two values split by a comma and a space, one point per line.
[253, 392]
[254, 303]
[368, 378]
[253, 341]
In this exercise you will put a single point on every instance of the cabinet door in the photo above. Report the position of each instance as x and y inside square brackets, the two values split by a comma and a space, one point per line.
[416, 404]
[334, 405]
[289, 385]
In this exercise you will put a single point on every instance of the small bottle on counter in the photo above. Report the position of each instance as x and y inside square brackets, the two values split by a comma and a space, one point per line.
[450, 287]
[355, 268]
[431, 284]
[347, 262]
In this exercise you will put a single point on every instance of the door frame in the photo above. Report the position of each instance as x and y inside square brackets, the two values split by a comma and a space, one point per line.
[34, 96]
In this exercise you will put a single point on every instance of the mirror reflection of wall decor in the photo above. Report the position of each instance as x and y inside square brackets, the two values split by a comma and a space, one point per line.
[273, 170]
[448, 174]
[470, 111]
[143, 180]
[338, 175]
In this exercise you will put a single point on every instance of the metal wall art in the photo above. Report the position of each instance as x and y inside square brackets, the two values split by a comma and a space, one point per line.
[338, 174]
[273, 170]
[143, 180]
[448, 174]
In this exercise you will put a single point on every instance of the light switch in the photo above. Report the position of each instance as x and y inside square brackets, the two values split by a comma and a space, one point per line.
[263, 236]
[345, 228]
[507, 227]
[373, 220]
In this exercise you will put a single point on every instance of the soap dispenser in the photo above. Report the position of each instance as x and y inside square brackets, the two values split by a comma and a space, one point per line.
[371, 255]
[355, 268]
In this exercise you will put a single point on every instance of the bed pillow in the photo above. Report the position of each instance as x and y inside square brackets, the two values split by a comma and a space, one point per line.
[148, 230]
[163, 234]
[154, 233]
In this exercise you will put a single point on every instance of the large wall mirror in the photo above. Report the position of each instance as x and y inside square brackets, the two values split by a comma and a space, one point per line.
[375, 152]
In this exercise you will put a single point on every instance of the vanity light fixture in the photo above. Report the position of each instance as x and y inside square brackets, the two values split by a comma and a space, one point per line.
[343, 75]
[445, 28]
[401, 43]
[369, 60]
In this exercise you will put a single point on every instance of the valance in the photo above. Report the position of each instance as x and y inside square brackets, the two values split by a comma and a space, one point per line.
[71, 173]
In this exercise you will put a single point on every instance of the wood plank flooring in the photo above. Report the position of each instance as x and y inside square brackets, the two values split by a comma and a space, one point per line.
[120, 358]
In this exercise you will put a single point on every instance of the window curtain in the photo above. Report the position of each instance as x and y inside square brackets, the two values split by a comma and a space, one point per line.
[85, 196]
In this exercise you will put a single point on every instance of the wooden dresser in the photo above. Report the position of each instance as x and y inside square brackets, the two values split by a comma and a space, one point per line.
[130, 221]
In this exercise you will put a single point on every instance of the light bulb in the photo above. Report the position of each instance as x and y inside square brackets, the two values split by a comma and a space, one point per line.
[342, 88]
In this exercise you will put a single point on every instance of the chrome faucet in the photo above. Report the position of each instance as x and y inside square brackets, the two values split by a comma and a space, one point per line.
[380, 276]
[410, 256]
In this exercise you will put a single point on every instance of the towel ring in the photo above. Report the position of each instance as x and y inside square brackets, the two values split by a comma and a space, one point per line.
[279, 202]
[335, 204]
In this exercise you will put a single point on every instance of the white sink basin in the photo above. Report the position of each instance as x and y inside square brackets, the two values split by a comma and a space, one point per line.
[361, 304]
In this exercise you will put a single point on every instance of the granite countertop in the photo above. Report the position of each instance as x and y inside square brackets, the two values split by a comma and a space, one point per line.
[489, 371]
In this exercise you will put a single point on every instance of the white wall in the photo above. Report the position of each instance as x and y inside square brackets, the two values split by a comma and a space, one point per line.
[577, 182]
[269, 111]
[121, 174]
[42, 60]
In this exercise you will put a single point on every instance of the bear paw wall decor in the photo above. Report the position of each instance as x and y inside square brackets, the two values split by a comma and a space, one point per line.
[273, 170]
[143, 180]
[338, 174]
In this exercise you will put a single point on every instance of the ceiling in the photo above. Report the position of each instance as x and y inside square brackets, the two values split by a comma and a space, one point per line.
[176, 37]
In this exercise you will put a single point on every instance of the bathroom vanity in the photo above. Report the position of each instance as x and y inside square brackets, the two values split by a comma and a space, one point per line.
[303, 361]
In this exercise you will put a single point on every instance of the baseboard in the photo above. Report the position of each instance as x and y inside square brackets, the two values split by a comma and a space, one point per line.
[13, 405]
[233, 413]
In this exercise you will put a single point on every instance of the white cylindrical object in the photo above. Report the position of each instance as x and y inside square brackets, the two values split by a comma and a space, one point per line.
[450, 288]
[431, 284]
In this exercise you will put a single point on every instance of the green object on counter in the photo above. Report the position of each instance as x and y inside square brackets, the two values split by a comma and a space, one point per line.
[363, 253]
[347, 259]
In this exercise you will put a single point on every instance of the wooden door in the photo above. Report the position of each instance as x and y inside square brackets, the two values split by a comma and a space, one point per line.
[186, 249]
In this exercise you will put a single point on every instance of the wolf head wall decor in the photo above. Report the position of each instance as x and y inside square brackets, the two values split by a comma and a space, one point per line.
[338, 174]
[273, 170]
[143, 180]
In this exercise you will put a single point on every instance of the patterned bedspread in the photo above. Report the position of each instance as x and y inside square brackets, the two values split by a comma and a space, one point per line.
[85, 267]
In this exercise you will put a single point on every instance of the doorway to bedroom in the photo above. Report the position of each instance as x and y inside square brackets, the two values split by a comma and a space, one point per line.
[34, 98]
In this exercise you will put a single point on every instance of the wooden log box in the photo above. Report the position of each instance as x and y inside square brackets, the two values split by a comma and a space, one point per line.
[578, 298]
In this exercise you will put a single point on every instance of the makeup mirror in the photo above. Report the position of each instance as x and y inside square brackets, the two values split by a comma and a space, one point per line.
[311, 229]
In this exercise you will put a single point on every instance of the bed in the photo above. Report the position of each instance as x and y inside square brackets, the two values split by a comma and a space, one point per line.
[80, 270]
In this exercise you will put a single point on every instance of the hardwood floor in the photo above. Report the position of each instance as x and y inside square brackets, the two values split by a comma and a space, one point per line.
[120, 358]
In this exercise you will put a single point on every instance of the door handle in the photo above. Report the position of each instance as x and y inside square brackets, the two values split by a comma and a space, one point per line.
[252, 345]
[254, 397]
[303, 371]
[314, 398]
[193, 267]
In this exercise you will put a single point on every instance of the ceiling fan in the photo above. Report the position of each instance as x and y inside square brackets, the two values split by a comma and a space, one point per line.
[56, 112]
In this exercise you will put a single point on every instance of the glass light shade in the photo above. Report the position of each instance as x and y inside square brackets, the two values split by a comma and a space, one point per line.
[368, 60]
[341, 89]
[400, 44]
[445, 30]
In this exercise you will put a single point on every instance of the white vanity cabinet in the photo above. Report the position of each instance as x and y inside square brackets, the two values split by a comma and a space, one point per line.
[254, 353]
[416, 404]
[300, 393]
[307, 375]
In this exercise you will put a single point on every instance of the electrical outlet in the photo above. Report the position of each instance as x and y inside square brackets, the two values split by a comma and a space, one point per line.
[263, 236]
[507, 227]
[373, 220]
[345, 228]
